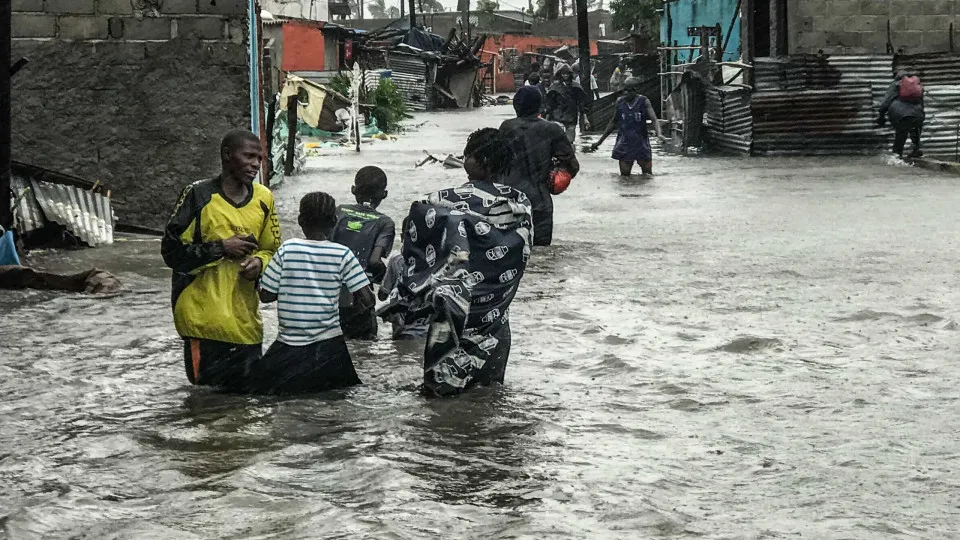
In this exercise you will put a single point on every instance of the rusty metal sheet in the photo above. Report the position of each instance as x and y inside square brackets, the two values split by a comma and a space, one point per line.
[728, 120]
[833, 121]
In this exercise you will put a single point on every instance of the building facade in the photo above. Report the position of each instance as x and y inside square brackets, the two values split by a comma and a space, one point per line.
[134, 98]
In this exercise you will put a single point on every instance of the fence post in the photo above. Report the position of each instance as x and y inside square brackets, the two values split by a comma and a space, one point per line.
[292, 106]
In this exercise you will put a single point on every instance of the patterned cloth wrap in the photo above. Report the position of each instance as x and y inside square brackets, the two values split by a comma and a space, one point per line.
[466, 250]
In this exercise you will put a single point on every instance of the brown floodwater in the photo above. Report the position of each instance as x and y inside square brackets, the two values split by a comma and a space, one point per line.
[735, 348]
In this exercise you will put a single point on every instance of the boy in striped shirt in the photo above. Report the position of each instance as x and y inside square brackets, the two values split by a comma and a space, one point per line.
[304, 277]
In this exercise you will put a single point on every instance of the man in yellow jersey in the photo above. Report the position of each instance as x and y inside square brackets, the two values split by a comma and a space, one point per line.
[221, 236]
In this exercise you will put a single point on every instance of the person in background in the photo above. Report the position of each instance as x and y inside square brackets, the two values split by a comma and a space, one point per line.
[619, 77]
[397, 267]
[546, 80]
[594, 87]
[633, 141]
[903, 105]
[565, 102]
[369, 234]
[534, 81]
[305, 278]
[539, 147]
[222, 234]
[467, 249]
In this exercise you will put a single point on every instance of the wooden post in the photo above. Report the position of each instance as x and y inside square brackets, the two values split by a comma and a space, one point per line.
[583, 35]
[6, 213]
[292, 105]
[413, 13]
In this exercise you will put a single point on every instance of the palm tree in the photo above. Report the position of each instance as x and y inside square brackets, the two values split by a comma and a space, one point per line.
[378, 9]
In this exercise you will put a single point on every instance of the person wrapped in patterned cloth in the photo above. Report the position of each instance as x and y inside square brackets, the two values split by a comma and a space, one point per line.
[466, 249]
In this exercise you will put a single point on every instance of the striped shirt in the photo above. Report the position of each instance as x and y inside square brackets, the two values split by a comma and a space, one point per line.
[306, 276]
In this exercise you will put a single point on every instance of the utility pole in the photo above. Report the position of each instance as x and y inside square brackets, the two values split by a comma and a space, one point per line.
[583, 35]
[6, 134]
[413, 14]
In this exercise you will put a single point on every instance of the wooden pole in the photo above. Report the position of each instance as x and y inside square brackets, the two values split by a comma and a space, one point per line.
[6, 134]
[583, 35]
[413, 13]
[292, 106]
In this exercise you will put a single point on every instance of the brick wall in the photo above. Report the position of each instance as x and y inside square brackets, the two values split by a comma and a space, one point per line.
[860, 26]
[134, 93]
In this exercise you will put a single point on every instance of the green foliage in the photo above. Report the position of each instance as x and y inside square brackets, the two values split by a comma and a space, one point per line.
[341, 84]
[487, 6]
[389, 109]
[639, 17]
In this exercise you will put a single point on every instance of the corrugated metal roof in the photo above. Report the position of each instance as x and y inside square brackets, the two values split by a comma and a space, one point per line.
[412, 76]
[941, 128]
[728, 119]
[84, 212]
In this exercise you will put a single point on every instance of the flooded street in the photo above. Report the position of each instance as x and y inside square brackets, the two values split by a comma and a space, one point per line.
[736, 348]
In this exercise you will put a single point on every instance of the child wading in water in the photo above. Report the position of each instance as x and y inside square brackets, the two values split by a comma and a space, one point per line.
[369, 234]
[305, 278]
[633, 142]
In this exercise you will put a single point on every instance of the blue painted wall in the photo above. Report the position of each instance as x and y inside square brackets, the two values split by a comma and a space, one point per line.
[686, 13]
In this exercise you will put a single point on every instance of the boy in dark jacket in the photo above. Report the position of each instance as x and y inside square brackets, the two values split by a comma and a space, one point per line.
[903, 105]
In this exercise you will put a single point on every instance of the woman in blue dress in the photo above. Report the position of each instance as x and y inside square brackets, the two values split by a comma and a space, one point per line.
[633, 142]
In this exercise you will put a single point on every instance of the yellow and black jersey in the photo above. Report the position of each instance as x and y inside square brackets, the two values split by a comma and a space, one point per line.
[210, 299]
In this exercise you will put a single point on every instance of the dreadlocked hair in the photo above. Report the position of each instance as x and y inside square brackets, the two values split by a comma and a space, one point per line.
[490, 149]
[318, 210]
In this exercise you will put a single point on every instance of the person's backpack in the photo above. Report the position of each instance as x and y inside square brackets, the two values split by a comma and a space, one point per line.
[911, 89]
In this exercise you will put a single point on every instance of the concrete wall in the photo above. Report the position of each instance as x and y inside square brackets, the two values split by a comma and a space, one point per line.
[135, 99]
[860, 26]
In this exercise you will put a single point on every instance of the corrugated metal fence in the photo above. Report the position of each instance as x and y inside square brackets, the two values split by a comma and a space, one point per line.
[412, 75]
[728, 120]
[828, 105]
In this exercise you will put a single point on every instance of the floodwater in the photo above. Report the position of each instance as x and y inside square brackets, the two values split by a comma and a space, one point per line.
[736, 348]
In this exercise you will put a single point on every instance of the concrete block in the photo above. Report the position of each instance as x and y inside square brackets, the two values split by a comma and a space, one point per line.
[875, 7]
[875, 41]
[79, 7]
[82, 27]
[921, 23]
[237, 31]
[33, 26]
[898, 23]
[868, 23]
[120, 52]
[911, 42]
[179, 7]
[149, 28]
[224, 54]
[223, 7]
[941, 23]
[805, 24]
[27, 5]
[935, 42]
[938, 7]
[201, 27]
[843, 8]
[115, 7]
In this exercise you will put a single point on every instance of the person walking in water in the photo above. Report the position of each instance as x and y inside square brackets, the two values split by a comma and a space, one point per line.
[305, 278]
[633, 141]
[903, 105]
[539, 148]
[221, 236]
[466, 249]
[369, 234]
[565, 102]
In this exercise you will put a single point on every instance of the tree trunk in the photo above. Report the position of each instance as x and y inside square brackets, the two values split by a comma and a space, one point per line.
[553, 9]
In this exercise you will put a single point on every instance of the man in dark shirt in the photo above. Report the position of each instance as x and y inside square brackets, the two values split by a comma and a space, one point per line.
[565, 102]
[539, 147]
[369, 234]
[905, 113]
